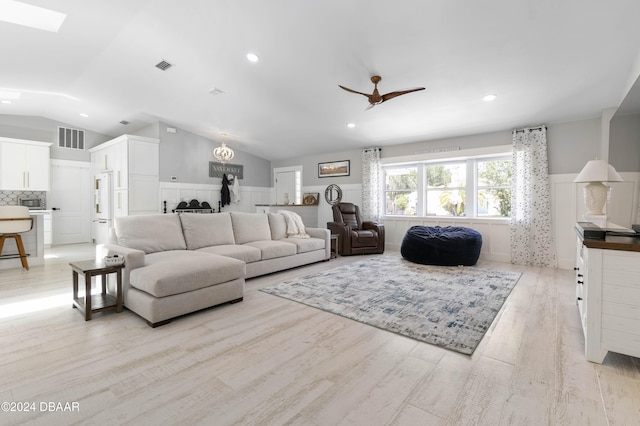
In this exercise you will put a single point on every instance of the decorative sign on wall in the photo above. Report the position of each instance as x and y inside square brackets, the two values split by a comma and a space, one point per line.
[219, 169]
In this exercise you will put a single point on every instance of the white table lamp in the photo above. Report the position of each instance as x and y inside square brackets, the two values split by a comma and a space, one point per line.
[595, 192]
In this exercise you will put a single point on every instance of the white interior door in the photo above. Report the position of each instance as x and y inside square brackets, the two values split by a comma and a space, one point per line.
[70, 200]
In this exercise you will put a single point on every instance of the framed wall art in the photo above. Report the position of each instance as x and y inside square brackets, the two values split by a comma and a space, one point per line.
[334, 168]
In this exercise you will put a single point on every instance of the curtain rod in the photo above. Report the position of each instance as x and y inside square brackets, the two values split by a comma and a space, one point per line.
[371, 149]
[530, 128]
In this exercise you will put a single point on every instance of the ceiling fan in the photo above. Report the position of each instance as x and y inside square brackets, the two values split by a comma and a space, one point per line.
[375, 98]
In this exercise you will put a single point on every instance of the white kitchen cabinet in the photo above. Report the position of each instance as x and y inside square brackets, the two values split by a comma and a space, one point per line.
[48, 227]
[121, 203]
[25, 165]
[134, 164]
[608, 295]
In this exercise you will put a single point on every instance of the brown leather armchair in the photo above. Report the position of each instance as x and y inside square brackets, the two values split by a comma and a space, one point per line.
[355, 236]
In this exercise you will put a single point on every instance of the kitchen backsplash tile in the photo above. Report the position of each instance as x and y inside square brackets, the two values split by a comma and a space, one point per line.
[10, 198]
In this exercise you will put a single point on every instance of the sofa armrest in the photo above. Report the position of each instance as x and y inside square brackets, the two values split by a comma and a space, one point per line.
[322, 234]
[133, 258]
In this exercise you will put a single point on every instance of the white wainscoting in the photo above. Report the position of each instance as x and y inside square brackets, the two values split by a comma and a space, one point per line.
[495, 232]
[567, 206]
[351, 193]
[175, 192]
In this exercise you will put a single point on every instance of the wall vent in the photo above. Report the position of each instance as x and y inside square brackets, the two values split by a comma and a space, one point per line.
[70, 138]
[163, 65]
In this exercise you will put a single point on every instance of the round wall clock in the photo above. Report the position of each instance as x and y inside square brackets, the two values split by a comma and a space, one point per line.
[333, 194]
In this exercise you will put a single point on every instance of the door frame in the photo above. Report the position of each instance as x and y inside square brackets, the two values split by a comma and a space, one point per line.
[297, 192]
[85, 218]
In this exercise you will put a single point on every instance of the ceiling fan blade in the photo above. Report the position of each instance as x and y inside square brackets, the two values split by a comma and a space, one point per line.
[392, 95]
[353, 91]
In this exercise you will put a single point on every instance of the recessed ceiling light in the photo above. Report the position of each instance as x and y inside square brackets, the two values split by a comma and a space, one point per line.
[351, 125]
[82, 114]
[489, 98]
[28, 15]
[252, 57]
[6, 102]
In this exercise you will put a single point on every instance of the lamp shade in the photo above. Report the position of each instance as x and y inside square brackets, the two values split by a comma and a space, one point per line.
[598, 171]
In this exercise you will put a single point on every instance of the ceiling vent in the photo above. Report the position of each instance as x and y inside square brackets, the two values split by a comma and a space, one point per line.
[163, 65]
[70, 138]
[124, 122]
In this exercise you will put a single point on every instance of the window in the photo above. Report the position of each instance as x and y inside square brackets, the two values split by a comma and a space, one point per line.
[401, 186]
[470, 187]
[446, 189]
[494, 188]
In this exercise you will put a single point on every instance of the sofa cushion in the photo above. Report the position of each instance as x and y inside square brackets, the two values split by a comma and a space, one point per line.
[248, 227]
[204, 230]
[306, 244]
[278, 226]
[186, 273]
[241, 252]
[272, 249]
[150, 233]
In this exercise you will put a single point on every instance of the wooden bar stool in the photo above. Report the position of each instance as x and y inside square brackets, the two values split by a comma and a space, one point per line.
[15, 220]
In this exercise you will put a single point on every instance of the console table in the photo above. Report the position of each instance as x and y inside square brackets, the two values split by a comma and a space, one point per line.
[608, 294]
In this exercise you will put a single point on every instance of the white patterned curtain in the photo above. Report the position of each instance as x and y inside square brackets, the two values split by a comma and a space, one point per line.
[531, 233]
[371, 184]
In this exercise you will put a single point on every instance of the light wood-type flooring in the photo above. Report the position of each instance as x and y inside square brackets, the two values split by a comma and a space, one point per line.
[270, 361]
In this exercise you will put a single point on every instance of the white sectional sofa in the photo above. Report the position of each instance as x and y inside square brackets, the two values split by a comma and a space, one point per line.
[177, 264]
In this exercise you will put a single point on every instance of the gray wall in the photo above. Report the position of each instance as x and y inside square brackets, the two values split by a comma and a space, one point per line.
[624, 143]
[45, 130]
[187, 156]
[150, 131]
[310, 167]
[569, 146]
[182, 154]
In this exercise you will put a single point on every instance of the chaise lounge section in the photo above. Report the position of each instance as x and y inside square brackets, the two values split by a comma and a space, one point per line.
[178, 264]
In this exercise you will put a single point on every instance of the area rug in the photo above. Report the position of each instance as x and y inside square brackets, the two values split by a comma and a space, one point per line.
[451, 307]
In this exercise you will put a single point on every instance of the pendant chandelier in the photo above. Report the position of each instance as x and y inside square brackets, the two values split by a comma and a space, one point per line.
[223, 153]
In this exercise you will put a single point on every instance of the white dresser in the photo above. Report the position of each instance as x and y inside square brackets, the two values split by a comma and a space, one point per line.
[608, 294]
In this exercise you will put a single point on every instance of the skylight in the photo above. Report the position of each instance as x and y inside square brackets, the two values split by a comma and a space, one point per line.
[28, 15]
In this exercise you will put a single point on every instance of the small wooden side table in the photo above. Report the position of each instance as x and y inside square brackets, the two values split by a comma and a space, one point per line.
[334, 245]
[97, 302]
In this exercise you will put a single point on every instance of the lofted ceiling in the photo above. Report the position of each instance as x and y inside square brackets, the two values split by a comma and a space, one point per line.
[546, 60]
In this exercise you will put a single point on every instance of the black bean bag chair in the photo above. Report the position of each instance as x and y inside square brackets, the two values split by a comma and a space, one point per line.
[446, 246]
